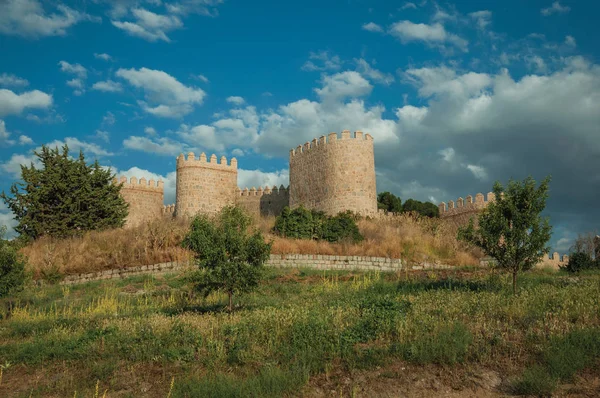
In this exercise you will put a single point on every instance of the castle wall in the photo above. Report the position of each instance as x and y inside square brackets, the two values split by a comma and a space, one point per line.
[145, 199]
[204, 186]
[263, 202]
[334, 174]
[465, 207]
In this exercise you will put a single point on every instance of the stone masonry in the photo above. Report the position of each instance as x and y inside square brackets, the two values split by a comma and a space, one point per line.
[331, 174]
[334, 174]
[145, 199]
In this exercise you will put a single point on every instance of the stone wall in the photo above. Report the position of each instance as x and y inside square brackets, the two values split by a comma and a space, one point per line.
[276, 260]
[145, 199]
[204, 186]
[263, 202]
[466, 206]
[333, 175]
[554, 262]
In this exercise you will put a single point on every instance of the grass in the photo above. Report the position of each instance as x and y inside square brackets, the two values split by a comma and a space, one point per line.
[414, 239]
[150, 336]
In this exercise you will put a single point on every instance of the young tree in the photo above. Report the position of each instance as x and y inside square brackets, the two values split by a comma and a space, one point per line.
[230, 256]
[64, 197]
[12, 267]
[511, 229]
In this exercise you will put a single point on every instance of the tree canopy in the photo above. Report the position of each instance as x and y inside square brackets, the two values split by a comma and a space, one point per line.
[229, 254]
[511, 228]
[65, 196]
[12, 267]
[391, 203]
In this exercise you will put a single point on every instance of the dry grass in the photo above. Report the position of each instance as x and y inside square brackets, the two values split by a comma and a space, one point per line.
[151, 243]
[404, 236]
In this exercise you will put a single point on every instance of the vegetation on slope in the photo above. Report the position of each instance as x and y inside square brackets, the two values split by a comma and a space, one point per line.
[149, 336]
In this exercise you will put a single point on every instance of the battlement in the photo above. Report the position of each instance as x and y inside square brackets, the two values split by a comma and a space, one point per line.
[260, 191]
[142, 184]
[467, 205]
[203, 162]
[330, 138]
[169, 210]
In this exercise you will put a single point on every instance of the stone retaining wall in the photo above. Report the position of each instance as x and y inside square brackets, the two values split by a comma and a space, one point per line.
[317, 261]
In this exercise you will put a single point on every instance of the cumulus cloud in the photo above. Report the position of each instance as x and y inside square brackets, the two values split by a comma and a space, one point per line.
[555, 8]
[27, 18]
[202, 7]
[165, 96]
[74, 69]
[372, 27]
[322, 61]
[13, 165]
[8, 80]
[108, 86]
[482, 18]
[109, 119]
[202, 78]
[434, 35]
[13, 104]
[103, 56]
[375, 75]
[25, 140]
[169, 180]
[409, 5]
[258, 178]
[343, 85]
[570, 41]
[75, 145]
[235, 100]
[159, 145]
[149, 25]
[4, 134]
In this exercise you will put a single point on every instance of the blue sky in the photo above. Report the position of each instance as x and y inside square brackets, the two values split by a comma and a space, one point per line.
[456, 94]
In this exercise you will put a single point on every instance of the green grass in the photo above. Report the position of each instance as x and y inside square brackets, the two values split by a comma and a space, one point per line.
[134, 336]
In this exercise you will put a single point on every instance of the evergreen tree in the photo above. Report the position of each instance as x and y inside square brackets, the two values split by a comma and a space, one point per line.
[65, 197]
[511, 229]
[12, 267]
[389, 202]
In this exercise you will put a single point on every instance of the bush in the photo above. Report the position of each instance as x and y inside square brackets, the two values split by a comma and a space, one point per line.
[579, 261]
[12, 267]
[301, 223]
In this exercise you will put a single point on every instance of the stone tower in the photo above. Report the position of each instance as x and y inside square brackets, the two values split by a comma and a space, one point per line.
[145, 199]
[204, 186]
[334, 174]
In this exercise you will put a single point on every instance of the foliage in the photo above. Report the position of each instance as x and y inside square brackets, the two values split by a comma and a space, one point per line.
[426, 209]
[64, 197]
[231, 258]
[12, 267]
[389, 202]
[301, 223]
[579, 261]
[511, 229]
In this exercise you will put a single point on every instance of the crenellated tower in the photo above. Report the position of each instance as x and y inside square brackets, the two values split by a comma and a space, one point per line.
[204, 186]
[334, 174]
[145, 199]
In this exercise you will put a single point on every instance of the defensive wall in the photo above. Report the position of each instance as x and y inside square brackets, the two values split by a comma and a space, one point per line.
[264, 202]
[204, 186]
[145, 199]
[466, 206]
[334, 174]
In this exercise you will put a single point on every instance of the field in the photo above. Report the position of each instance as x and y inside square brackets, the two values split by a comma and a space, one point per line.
[453, 333]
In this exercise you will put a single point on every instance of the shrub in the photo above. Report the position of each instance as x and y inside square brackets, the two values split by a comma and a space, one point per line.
[579, 261]
[301, 223]
[12, 267]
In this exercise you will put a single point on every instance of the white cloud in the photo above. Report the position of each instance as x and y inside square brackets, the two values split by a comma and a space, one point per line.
[445, 81]
[4, 134]
[408, 5]
[13, 165]
[7, 219]
[372, 27]
[103, 135]
[9, 80]
[108, 86]
[75, 145]
[235, 100]
[237, 152]
[258, 178]
[202, 78]
[170, 97]
[478, 171]
[14, 104]
[570, 41]
[555, 8]
[160, 145]
[150, 131]
[169, 180]
[483, 18]
[376, 75]
[25, 140]
[109, 119]
[75, 69]
[447, 154]
[536, 63]
[75, 83]
[343, 85]
[149, 25]
[322, 61]
[28, 18]
[434, 35]
[103, 56]
[202, 7]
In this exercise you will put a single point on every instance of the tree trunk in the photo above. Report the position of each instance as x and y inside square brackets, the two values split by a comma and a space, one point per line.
[230, 301]
[515, 282]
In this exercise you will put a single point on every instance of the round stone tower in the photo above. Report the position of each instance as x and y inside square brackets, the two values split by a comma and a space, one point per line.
[334, 174]
[204, 186]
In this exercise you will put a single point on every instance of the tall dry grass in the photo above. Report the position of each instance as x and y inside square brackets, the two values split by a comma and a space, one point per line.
[405, 236]
[155, 242]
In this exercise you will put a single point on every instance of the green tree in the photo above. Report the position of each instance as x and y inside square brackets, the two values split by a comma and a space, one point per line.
[65, 197]
[389, 202]
[12, 267]
[230, 255]
[426, 209]
[511, 229]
